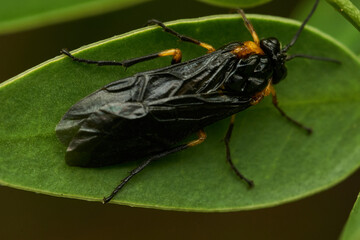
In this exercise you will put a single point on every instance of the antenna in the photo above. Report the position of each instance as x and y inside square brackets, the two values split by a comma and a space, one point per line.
[286, 48]
[312, 57]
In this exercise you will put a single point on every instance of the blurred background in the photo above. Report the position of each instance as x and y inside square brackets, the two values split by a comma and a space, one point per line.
[26, 215]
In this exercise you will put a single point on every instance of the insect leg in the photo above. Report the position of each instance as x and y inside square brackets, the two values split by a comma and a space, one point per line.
[201, 138]
[276, 104]
[176, 53]
[228, 156]
[250, 27]
[180, 36]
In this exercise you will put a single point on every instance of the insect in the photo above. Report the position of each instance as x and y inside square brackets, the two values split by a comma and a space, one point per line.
[148, 114]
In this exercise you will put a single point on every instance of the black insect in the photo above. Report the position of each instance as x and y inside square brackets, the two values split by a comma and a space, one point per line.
[147, 114]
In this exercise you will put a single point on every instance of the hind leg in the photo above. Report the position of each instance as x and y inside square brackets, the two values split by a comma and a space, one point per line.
[201, 138]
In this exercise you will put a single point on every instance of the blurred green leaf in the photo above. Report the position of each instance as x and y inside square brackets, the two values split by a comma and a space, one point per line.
[348, 10]
[236, 3]
[352, 227]
[284, 162]
[327, 19]
[26, 14]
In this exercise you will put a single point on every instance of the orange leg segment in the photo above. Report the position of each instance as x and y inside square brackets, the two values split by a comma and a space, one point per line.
[175, 52]
[250, 27]
[182, 37]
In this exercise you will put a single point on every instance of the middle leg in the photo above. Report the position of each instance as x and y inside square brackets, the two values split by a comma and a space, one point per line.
[201, 138]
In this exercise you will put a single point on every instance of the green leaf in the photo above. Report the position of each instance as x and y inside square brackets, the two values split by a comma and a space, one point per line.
[327, 19]
[26, 14]
[236, 3]
[352, 227]
[284, 162]
[348, 10]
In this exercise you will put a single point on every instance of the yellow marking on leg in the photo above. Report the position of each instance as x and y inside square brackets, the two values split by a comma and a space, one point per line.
[250, 27]
[269, 89]
[201, 138]
[246, 49]
[207, 46]
[175, 52]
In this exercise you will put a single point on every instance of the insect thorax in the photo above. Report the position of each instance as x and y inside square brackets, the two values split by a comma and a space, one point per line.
[250, 75]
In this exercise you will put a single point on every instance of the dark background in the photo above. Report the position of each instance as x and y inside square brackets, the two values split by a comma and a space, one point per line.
[26, 215]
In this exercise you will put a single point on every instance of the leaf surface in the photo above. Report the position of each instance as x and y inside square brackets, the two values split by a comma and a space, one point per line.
[352, 229]
[26, 14]
[349, 10]
[284, 162]
[328, 20]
